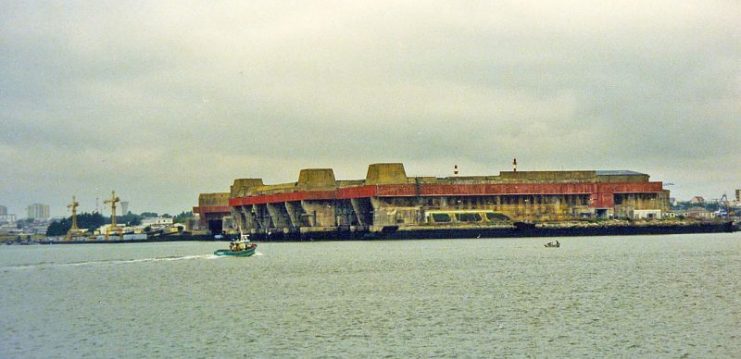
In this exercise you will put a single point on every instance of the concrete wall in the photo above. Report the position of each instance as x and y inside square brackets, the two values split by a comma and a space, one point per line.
[625, 203]
[623, 179]
[547, 176]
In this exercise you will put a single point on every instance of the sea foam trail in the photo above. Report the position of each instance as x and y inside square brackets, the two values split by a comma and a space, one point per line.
[106, 261]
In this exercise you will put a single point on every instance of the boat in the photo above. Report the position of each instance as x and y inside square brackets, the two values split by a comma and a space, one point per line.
[554, 244]
[241, 247]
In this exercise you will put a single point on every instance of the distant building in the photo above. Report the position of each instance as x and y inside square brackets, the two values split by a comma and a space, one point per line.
[697, 200]
[699, 212]
[156, 221]
[124, 207]
[738, 195]
[7, 218]
[645, 214]
[38, 211]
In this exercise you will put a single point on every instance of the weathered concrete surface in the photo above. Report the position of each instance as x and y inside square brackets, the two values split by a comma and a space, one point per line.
[320, 213]
[213, 199]
[388, 198]
[243, 186]
[279, 216]
[385, 173]
[315, 178]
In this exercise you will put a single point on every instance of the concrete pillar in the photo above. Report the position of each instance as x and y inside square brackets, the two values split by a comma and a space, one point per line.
[239, 218]
[381, 215]
[295, 213]
[279, 215]
[320, 213]
[344, 212]
[262, 217]
[363, 211]
[250, 224]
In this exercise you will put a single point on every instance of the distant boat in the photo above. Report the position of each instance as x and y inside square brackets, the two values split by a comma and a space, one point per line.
[555, 244]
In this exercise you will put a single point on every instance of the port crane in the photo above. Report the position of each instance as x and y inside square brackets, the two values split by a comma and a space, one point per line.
[112, 202]
[73, 229]
[724, 207]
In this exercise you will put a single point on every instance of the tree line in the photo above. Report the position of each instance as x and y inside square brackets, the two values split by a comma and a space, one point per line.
[91, 221]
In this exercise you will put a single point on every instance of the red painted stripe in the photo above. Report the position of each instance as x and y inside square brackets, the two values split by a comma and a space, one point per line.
[411, 190]
[283, 197]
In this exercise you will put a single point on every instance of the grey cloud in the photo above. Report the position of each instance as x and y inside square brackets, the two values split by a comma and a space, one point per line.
[202, 93]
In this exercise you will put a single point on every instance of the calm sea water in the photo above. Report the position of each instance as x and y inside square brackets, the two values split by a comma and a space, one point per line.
[639, 296]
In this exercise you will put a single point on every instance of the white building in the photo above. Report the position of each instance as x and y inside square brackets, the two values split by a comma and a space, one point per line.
[645, 214]
[7, 218]
[156, 221]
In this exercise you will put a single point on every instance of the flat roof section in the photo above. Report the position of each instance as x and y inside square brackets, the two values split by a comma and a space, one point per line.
[618, 173]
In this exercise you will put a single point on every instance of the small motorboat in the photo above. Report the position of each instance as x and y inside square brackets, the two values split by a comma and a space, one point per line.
[554, 244]
[241, 247]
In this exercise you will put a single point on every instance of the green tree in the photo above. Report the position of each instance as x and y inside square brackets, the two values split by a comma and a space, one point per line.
[58, 228]
[130, 219]
[89, 221]
[183, 217]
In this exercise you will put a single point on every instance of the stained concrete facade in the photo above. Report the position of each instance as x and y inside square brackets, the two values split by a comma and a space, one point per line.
[317, 202]
[214, 211]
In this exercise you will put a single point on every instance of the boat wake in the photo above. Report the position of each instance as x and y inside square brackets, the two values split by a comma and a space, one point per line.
[161, 259]
[43, 265]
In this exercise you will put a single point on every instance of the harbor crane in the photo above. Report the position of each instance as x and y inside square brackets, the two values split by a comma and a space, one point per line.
[73, 229]
[724, 207]
[112, 202]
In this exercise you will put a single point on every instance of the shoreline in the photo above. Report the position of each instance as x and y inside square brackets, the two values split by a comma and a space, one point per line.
[514, 230]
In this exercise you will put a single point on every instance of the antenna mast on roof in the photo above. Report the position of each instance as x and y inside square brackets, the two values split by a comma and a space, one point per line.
[514, 165]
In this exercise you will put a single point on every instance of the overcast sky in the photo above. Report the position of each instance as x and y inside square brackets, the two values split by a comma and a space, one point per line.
[162, 100]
